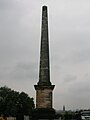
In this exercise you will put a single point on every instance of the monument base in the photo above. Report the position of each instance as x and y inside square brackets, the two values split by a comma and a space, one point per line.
[44, 114]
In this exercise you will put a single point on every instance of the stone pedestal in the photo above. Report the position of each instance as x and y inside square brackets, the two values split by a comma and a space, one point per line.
[44, 114]
[44, 96]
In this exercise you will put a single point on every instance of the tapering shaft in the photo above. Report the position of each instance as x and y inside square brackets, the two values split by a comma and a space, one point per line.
[44, 71]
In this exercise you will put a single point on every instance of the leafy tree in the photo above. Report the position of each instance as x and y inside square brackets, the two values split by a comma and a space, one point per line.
[13, 103]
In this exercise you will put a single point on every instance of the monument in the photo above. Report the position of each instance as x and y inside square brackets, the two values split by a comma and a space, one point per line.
[44, 102]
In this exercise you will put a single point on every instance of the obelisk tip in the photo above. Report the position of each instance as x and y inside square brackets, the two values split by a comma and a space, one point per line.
[44, 7]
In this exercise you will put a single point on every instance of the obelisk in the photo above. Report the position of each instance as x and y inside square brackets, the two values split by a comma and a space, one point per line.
[44, 88]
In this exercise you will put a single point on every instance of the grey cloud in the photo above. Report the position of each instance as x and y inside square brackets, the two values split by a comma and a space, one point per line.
[70, 78]
[75, 95]
[24, 71]
[83, 85]
[79, 56]
[5, 4]
[20, 72]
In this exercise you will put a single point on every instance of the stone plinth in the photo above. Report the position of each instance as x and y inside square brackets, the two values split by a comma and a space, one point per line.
[41, 114]
[44, 96]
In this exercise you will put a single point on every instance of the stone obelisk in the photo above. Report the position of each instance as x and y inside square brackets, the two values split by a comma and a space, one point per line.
[44, 87]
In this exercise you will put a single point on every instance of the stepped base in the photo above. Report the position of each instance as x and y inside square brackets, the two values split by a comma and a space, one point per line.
[44, 114]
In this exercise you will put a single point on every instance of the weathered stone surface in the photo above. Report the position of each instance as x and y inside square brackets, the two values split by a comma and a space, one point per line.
[44, 71]
[44, 88]
[44, 96]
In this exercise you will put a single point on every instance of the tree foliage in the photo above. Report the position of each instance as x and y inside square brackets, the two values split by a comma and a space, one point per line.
[13, 103]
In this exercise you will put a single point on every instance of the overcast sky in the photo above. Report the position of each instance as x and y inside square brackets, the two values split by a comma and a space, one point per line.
[69, 37]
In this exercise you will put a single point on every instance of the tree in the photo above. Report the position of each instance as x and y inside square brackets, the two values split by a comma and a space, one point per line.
[13, 103]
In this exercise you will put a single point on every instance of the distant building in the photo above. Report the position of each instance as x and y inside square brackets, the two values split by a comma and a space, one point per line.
[63, 107]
